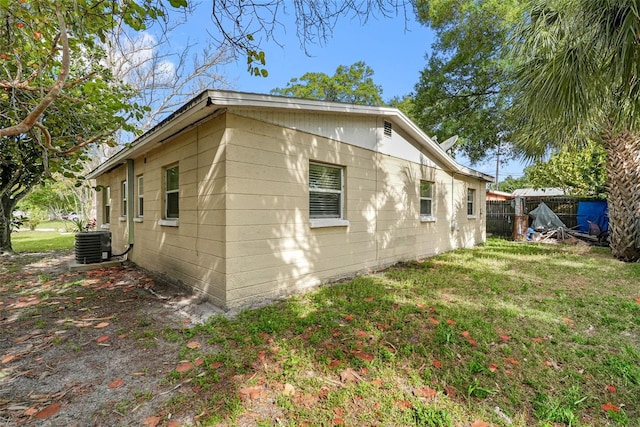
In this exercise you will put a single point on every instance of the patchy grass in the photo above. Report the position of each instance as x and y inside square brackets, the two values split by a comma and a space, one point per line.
[506, 334]
[39, 241]
[80, 348]
[503, 334]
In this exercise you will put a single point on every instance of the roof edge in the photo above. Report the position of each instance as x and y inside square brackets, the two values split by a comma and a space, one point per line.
[138, 144]
[195, 110]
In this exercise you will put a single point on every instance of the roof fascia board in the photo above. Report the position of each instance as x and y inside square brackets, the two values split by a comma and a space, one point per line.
[182, 118]
[433, 147]
[254, 100]
[190, 113]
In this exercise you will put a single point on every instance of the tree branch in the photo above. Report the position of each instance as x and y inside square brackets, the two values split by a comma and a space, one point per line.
[11, 182]
[50, 147]
[37, 71]
[476, 94]
[31, 119]
[76, 82]
[47, 136]
[88, 141]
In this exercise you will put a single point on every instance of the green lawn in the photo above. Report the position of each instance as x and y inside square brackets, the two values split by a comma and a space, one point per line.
[504, 334]
[38, 241]
[55, 225]
[48, 235]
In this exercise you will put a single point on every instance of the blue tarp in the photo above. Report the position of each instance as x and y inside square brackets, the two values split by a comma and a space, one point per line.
[595, 211]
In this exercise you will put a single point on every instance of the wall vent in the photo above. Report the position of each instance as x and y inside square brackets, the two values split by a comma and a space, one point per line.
[388, 129]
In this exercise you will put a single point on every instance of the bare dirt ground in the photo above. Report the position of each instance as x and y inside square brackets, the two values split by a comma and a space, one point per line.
[87, 348]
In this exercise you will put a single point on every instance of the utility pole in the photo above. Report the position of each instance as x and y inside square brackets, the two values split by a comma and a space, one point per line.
[498, 167]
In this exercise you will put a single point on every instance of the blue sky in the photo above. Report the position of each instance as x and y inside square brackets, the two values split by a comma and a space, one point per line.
[396, 51]
[396, 55]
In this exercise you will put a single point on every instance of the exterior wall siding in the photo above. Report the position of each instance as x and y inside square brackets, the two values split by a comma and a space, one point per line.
[194, 251]
[359, 131]
[272, 250]
[244, 234]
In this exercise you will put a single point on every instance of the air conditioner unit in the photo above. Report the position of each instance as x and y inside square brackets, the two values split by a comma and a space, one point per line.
[93, 247]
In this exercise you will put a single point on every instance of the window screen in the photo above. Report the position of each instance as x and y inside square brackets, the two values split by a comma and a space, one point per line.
[106, 218]
[325, 191]
[124, 198]
[140, 196]
[426, 198]
[471, 195]
[172, 194]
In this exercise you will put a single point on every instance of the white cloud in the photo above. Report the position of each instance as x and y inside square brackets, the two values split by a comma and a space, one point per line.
[136, 60]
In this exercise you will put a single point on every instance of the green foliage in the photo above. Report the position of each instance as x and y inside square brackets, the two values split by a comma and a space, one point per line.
[625, 365]
[367, 350]
[510, 183]
[58, 98]
[353, 84]
[178, 3]
[404, 104]
[17, 221]
[580, 172]
[80, 225]
[475, 389]
[32, 223]
[465, 89]
[561, 409]
[440, 342]
[577, 64]
[53, 198]
[255, 61]
[430, 416]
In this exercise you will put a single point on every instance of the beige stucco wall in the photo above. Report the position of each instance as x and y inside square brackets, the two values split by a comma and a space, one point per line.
[193, 251]
[244, 233]
[271, 248]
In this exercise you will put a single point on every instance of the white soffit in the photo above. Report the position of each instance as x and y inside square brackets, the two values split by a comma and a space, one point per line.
[211, 102]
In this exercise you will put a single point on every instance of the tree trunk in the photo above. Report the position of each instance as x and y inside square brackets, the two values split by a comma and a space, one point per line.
[623, 193]
[6, 212]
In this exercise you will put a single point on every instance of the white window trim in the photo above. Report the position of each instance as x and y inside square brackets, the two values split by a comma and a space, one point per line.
[426, 217]
[334, 222]
[328, 222]
[124, 204]
[473, 205]
[166, 198]
[106, 206]
[169, 222]
[122, 218]
[140, 197]
[105, 226]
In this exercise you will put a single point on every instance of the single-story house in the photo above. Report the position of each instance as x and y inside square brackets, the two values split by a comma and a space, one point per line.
[248, 197]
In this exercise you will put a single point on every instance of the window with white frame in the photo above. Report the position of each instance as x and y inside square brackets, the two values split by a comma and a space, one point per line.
[140, 212]
[124, 198]
[106, 203]
[426, 199]
[326, 191]
[172, 192]
[471, 201]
